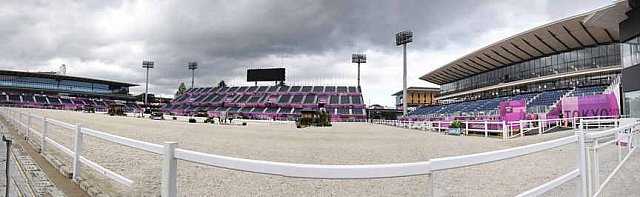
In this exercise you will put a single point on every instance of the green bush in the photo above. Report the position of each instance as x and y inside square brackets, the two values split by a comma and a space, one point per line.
[456, 124]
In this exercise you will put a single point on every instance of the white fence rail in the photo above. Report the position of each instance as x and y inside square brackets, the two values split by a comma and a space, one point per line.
[171, 154]
[508, 130]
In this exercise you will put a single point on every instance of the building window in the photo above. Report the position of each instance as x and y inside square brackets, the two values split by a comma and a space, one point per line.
[632, 104]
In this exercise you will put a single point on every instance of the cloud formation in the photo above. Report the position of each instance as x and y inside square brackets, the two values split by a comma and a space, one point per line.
[312, 39]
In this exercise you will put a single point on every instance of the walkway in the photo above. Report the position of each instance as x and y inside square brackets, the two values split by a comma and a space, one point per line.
[626, 181]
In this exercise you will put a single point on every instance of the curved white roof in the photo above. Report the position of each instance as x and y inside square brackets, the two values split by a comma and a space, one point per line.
[589, 29]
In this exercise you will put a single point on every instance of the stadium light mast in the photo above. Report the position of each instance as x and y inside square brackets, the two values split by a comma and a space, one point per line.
[147, 65]
[403, 38]
[359, 58]
[193, 66]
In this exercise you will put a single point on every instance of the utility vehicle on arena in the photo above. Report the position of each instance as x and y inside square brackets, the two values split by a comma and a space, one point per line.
[88, 109]
[312, 117]
[156, 115]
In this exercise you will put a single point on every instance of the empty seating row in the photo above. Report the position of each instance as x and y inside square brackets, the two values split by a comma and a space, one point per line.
[70, 102]
[280, 99]
[547, 98]
[483, 105]
[585, 91]
[278, 88]
[265, 110]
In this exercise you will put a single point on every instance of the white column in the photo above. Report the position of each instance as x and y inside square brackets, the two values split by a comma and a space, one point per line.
[169, 171]
[581, 162]
[77, 152]
[404, 80]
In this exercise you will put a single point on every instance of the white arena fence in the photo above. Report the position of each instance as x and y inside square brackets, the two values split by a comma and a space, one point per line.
[507, 130]
[171, 154]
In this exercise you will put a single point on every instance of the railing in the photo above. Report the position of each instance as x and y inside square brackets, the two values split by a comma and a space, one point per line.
[171, 154]
[506, 129]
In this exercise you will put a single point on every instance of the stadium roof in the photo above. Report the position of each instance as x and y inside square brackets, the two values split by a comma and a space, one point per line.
[417, 88]
[63, 77]
[589, 29]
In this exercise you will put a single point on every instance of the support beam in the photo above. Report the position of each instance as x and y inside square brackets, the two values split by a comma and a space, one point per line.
[481, 70]
[530, 45]
[545, 43]
[589, 33]
[462, 71]
[572, 36]
[523, 51]
[494, 59]
[453, 74]
[479, 64]
[502, 56]
[610, 36]
[470, 68]
[560, 41]
[486, 62]
[514, 55]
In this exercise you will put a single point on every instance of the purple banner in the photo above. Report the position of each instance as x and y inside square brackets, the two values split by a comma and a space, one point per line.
[592, 105]
[513, 110]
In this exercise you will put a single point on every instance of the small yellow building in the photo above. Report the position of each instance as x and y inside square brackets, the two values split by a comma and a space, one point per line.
[417, 96]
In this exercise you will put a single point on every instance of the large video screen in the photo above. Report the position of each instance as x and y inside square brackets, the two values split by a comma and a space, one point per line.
[270, 74]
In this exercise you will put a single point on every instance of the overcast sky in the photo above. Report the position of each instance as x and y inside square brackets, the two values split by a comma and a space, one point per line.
[312, 39]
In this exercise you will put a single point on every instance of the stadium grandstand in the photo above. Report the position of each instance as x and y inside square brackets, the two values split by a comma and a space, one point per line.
[575, 57]
[344, 103]
[56, 90]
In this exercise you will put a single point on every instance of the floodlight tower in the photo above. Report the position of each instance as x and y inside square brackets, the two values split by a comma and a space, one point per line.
[403, 38]
[193, 66]
[147, 65]
[359, 58]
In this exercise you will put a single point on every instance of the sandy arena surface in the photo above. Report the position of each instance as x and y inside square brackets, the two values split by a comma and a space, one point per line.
[344, 143]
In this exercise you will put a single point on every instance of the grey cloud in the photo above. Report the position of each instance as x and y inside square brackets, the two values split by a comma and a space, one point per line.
[226, 36]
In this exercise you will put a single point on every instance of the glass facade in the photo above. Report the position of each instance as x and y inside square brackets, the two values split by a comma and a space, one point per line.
[631, 58]
[62, 85]
[632, 104]
[631, 52]
[570, 61]
[562, 83]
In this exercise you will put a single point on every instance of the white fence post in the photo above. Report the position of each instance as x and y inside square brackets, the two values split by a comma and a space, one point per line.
[43, 145]
[431, 188]
[169, 170]
[486, 129]
[504, 130]
[540, 127]
[521, 129]
[581, 162]
[77, 152]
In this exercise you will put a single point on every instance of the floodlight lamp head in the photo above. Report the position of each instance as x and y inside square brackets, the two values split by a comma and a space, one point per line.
[404, 37]
[193, 65]
[358, 58]
[147, 64]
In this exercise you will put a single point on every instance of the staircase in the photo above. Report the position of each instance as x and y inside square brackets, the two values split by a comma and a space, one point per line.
[559, 100]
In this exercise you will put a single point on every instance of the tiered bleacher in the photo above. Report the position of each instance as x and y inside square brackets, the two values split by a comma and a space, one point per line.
[344, 103]
[61, 102]
[537, 101]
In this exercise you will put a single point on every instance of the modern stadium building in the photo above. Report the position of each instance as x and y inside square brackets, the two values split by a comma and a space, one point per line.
[60, 91]
[588, 55]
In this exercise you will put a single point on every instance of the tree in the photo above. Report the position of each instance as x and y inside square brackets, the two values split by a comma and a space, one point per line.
[180, 91]
[222, 84]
